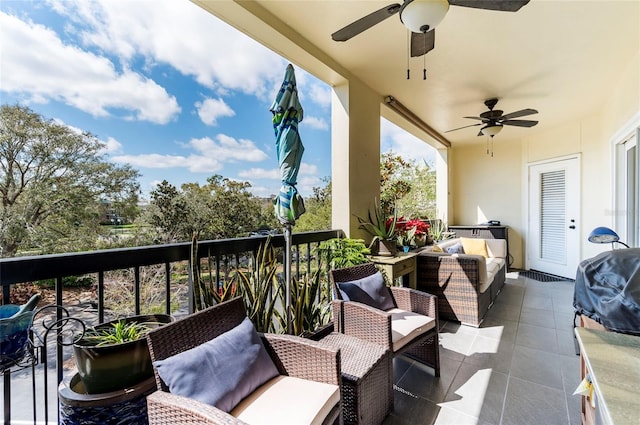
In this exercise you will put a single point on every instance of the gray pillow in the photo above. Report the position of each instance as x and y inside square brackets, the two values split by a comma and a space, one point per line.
[369, 290]
[220, 372]
[455, 249]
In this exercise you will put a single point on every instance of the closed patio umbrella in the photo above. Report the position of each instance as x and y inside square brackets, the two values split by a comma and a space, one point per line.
[287, 114]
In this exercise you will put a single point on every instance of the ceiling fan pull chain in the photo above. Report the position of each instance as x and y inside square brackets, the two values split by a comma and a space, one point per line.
[408, 53]
[424, 60]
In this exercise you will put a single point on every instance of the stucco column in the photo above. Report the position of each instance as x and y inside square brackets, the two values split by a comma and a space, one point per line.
[355, 155]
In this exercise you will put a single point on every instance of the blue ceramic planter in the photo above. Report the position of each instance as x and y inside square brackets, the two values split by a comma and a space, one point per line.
[14, 334]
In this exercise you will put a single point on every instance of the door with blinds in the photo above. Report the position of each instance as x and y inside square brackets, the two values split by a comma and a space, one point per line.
[553, 233]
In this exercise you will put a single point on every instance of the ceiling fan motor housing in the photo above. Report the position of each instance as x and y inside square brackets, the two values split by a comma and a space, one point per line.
[421, 16]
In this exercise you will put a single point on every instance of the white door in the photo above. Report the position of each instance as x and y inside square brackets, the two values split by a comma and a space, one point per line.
[553, 233]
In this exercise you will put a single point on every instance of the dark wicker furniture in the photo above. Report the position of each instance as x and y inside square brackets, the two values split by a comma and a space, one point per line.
[374, 325]
[455, 280]
[294, 356]
[367, 379]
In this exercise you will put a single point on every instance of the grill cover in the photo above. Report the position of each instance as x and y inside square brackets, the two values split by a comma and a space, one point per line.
[607, 290]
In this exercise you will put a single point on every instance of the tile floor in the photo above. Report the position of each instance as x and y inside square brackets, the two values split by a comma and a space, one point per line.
[518, 368]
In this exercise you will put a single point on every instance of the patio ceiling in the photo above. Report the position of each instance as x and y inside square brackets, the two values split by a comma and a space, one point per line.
[559, 57]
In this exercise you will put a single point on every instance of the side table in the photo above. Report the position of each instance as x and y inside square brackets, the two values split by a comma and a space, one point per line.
[367, 379]
[402, 265]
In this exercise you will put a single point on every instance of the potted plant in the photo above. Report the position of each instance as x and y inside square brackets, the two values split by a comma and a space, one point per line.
[114, 355]
[406, 238]
[382, 228]
[344, 252]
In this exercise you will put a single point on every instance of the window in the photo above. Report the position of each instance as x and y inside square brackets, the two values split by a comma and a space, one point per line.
[627, 188]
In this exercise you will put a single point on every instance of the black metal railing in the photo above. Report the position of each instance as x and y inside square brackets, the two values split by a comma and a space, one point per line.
[223, 255]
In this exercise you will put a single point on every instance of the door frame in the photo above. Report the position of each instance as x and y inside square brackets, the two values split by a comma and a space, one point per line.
[578, 223]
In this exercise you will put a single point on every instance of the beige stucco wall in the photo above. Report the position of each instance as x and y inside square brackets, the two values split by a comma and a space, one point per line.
[355, 155]
[488, 188]
[495, 188]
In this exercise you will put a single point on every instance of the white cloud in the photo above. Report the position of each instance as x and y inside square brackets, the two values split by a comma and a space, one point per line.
[211, 109]
[405, 144]
[37, 65]
[185, 37]
[208, 155]
[321, 94]
[315, 123]
[260, 173]
[227, 148]
[308, 169]
[112, 146]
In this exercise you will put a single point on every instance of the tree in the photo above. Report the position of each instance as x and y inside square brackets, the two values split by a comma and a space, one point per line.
[408, 186]
[52, 181]
[318, 214]
[221, 208]
[395, 180]
[168, 211]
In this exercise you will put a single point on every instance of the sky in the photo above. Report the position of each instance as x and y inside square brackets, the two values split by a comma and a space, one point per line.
[169, 89]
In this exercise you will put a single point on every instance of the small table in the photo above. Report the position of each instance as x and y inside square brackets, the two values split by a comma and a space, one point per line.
[367, 379]
[402, 265]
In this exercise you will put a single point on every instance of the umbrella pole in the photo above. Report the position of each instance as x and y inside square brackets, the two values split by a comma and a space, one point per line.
[287, 275]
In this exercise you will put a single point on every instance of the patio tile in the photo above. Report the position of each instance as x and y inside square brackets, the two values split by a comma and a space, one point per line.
[489, 353]
[564, 320]
[541, 302]
[478, 393]
[409, 410]
[448, 416]
[503, 312]
[537, 317]
[504, 330]
[566, 342]
[455, 343]
[537, 337]
[531, 403]
[419, 380]
[537, 366]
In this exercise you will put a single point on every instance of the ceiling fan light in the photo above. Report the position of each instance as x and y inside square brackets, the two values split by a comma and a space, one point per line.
[491, 130]
[423, 15]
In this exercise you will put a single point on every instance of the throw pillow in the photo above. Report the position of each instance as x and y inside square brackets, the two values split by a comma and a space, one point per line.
[369, 290]
[436, 248]
[455, 249]
[220, 372]
[474, 246]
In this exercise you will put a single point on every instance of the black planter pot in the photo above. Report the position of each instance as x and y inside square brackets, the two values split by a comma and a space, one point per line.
[123, 407]
[116, 366]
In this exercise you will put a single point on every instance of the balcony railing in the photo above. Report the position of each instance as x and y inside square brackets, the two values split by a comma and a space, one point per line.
[23, 394]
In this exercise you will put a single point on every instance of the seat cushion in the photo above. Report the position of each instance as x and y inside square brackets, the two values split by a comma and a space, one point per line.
[370, 290]
[474, 246]
[406, 325]
[288, 400]
[220, 372]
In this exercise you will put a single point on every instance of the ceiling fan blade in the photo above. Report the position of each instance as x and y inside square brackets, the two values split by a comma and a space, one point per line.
[365, 23]
[475, 118]
[518, 114]
[422, 43]
[500, 5]
[519, 123]
[460, 128]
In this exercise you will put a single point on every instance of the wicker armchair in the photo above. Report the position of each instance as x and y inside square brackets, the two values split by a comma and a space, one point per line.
[377, 326]
[293, 356]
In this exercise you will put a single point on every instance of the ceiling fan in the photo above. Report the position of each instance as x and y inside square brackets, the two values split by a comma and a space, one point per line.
[421, 18]
[493, 120]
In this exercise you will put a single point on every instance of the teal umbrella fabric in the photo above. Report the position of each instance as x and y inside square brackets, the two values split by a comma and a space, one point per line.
[287, 114]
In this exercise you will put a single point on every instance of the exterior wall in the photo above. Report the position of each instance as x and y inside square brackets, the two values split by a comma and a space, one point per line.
[496, 188]
[489, 188]
[355, 155]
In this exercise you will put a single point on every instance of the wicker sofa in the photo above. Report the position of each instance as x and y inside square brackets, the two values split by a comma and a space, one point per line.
[466, 284]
